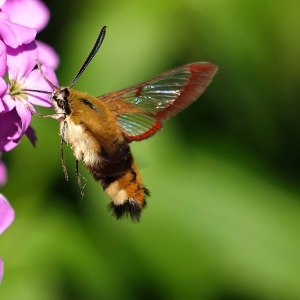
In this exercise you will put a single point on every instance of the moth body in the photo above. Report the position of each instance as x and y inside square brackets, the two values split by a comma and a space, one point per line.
[100, 129]
[91, 130]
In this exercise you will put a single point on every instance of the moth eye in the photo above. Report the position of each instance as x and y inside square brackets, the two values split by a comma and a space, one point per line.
[61, 103]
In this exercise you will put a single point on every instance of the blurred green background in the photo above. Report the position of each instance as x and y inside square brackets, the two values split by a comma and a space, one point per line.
[223, 221]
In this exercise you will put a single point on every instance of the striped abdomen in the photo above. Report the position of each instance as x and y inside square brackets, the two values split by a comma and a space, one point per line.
[123, 184]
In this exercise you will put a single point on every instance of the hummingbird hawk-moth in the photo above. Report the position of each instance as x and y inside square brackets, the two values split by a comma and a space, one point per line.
[100, 129]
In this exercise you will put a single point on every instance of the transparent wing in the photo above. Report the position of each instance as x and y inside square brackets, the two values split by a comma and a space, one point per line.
[159, 98]
[160, 93]
[138, 126]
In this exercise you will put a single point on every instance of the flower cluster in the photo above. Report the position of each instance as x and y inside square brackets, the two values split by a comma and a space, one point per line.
[19, 22]
[19, 52]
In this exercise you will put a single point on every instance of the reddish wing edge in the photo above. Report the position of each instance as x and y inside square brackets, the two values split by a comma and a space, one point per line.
[201, 77]
[146, 134]
[201, 74]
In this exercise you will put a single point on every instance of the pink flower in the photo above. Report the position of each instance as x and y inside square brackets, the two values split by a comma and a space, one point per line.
[19, 21]
[13, 128]
[47, 55]
[33, 14]
[18, 105]
[14, 34]
[7, 215]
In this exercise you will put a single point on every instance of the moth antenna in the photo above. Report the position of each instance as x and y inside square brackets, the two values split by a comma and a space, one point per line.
[44, 76]
[91, 55]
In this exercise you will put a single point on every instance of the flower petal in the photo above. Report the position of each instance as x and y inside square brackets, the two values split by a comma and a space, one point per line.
[13, 34]
[36, 81]
[47, 55]
[24, 114]
[2, 2]
[33, 14]
[7, 214]
[3, 173]
[2, 107]
[3, 89]
[8, 103]
[30, 132]
[50, 75]
[14, 125]
[21, 61]
[10, 133]
[3, 86]
[2, 59]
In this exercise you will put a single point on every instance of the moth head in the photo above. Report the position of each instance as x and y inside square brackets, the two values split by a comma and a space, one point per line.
[60, 100]
[60, 95]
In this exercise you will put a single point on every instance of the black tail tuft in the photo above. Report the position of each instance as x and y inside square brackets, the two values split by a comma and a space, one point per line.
[128, 208]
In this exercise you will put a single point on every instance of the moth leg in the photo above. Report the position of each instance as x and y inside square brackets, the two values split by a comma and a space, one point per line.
[62, 156]
[54, 116]
[78, 180]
